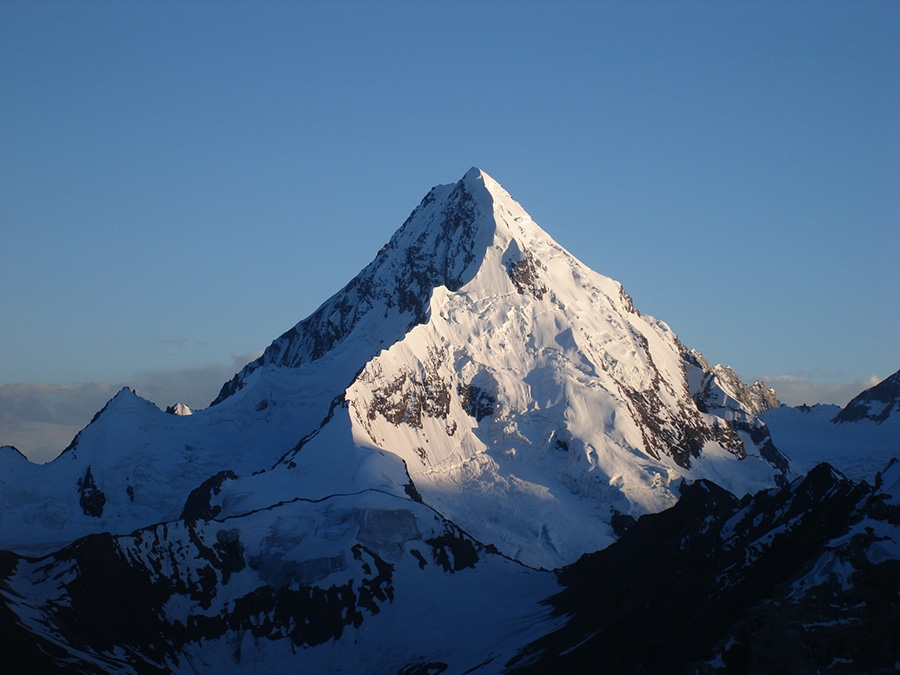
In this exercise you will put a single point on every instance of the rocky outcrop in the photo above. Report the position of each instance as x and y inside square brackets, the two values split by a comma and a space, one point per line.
[90, 497]
[717, 388]
[198, 505]
[719, 391]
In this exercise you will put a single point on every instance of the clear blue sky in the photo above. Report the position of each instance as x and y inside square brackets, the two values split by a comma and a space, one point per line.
[182, 182]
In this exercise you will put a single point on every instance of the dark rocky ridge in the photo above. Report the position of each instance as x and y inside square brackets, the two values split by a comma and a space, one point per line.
[706, 587]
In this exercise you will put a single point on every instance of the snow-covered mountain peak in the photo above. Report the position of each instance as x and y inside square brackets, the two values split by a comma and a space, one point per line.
[475, 396]
[124, 402]
[478, 182]
[124, 397]
[459, 231]
[179, 409]
[511, 379]
[476, 179]
[474, 364]
[11, 452]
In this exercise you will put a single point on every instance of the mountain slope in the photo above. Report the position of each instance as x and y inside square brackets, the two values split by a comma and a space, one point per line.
[800, 579]
[530, 402]
[474, 363]
[357, 583]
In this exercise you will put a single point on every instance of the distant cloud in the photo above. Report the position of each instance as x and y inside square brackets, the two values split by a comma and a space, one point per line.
[195, 386]
[817, 387]
[42, 419]
[179, 342]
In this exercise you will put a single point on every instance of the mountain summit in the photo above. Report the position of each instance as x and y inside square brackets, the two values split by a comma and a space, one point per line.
[474, 365]
[443, 243]
[528, 399]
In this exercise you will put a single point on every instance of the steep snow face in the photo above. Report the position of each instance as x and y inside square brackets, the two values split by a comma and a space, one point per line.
[532, 403]
[436, 246]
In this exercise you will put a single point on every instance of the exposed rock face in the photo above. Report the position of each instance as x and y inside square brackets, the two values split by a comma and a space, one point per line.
[198, 505]
[719, 391]
[876, 404]
[409, 396]
[719, 388]
[91, 498]
[523, 272]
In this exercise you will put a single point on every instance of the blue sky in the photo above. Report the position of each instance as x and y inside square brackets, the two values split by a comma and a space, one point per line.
[182, 182]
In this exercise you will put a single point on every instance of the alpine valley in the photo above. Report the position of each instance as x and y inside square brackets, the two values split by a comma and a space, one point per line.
[477, 457]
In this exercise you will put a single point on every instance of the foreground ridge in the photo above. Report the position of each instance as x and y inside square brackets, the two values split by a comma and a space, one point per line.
[798, 578]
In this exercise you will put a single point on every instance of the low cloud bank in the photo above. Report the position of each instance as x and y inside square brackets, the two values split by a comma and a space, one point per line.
[196, 386]
[42, 419]
[819, 387]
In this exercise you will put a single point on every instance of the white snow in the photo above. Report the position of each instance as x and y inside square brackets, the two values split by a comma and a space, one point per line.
[181, 409]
